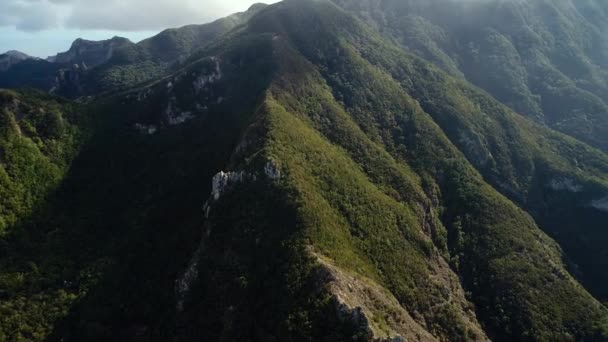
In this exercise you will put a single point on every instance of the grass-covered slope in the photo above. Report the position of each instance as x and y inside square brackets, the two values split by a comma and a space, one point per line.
[368, 195]
[524, 161]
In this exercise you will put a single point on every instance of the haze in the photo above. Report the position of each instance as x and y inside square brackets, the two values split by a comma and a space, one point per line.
[45, 27]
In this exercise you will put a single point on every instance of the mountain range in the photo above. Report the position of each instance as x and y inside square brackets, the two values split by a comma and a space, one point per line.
[313, 170]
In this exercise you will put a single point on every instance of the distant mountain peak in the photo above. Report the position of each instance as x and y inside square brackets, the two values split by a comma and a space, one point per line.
[81, 41]
[10, 58]
[18, 54]
[90, 52]
[257, 6]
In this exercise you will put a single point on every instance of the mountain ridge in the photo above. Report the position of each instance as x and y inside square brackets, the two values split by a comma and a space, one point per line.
[88, 52]
[117, 62]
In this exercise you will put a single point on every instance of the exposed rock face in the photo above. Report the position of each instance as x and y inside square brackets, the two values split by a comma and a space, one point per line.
[185, 281]
[68, 81]
[475, 148]
[224, 180]
[271, 170]
[146, 129]
[205, 79]
[565, 184]
[363, 303]
[92, 53]
[600, 204]
[353, 316]
[175, 116]
[177, 112]
[10, 58]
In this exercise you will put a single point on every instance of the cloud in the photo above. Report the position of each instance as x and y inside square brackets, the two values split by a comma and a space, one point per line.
[28, 15]
[117, 15]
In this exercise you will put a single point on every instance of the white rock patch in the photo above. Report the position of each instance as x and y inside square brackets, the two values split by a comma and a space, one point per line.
[600, 204]
[565, 184]
[146, 129]
[180, 118]
[176, 117]
[223, 180]
[271, 171]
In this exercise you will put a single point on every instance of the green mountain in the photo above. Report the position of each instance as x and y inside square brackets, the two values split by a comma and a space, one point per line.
[301, 177]
[545, 59]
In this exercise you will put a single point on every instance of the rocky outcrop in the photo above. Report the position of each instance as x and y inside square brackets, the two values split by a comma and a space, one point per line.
[377, 314]
[271, 170]
[565, 184]
[178, 112]
[68, 81]
[146, 129]
[600, 204]
[174, 116]
[183, 284]
[205, 79]
[221, 183]
[362, 303]
[225, 180]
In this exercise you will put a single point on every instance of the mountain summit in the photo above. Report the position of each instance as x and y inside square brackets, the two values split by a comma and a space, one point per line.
[9, 58]
[300, 175]
[90, 53]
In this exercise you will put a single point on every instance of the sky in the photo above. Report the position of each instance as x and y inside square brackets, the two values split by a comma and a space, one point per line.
[42, 28]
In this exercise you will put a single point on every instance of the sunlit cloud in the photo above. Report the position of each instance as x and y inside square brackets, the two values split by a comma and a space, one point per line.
[118, 15]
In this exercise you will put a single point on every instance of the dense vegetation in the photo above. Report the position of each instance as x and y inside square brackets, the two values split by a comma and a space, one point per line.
[38, 138]
[371, 195]
[545, 59]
